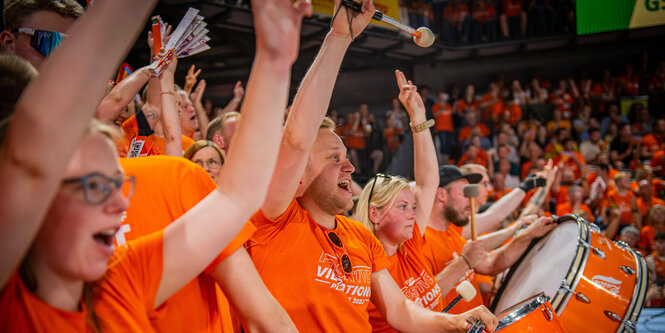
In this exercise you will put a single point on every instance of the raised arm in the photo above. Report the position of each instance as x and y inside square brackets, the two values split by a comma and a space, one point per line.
[425, 164]
[241, 283]
[309, 108]
[406, 316]
[169, 111]
[123, 93]
[234, 103]
[201, 114]
[58, 105]
[193, 241]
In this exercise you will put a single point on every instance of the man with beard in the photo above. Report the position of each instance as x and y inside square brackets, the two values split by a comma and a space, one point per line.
[322, 267]
[455, 258]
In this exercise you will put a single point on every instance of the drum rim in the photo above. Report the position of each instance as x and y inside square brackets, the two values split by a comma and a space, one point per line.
[534, 303]
[639, 292]
[576, 270]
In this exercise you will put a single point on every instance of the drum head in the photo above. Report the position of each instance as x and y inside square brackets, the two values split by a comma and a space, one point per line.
[542, 269]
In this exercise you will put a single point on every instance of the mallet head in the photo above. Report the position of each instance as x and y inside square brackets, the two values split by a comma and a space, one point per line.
[426, 38]
[471, 190]
[466, 290]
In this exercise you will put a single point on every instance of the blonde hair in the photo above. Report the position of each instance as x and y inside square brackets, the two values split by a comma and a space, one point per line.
[652, 210]
[327, 123]
[621, 175]
[198, 145]
[383, 194]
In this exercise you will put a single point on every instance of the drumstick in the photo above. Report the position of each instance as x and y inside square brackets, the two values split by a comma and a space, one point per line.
[471, 191]
[466, 291]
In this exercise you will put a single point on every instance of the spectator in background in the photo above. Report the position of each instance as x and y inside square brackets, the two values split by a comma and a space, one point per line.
[513, 19]
[628, 84]
[456, 23]
[622, 197]
[469, 103]
[564, 97]
[392, 135]
[33, 29]
[571, 159]
[622, 148]
[354, 139]
[504, 168]
[222, 128]
[474, 155]
[654, 141]
[443, 115]
[593, 146]
[655, 224]
[208, 155]
[520, 96]
[657, 89]
[490, 102]
[472, 123]
[538, 94]
[503, 152]
[399, 116]
[646, 200]
[604, 92]
[501, 139]
[575, 204]
[643, 122]
[613, 117]
[583, 122]
[483, 23]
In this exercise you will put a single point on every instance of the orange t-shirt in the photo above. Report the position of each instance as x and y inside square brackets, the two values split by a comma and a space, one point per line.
[126, 294]
[512, 8]
[566, 208]
[658, 160]
[485, 14]
[153, 145]
[647, 235]
[656, 185]
[660, 275]
[414, 277]
[302, 269]
[441, 249]
[481, 158]
[23, 311]
[353, 139]
[165, 188]
[465, 133]
[443, 114]
[569, 162]
[451, 13]
[643, 207]
[391, 135]
[624, 203]
[491, 108]
[462, 105]
[653, 143]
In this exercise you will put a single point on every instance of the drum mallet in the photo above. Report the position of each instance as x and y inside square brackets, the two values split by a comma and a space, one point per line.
[465, 290]
[423, 36]
[471, 191]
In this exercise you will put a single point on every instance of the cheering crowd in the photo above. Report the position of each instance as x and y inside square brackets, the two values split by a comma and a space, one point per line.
[242, 218]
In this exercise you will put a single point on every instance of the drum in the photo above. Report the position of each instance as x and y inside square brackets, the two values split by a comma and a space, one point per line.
[532, 315]
[595, 285]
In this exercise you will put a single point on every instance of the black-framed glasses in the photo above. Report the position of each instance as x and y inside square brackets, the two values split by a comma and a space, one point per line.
[43, 41]
[97, 188]
[371, 189]
[344, 260]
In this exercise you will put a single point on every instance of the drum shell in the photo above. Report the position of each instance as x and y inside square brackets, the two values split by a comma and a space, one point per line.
[539, 317]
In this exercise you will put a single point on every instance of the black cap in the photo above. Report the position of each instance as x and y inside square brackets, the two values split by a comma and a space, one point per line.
[451, 173]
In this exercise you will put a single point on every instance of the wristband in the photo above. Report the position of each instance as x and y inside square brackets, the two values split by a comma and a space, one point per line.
[467, 261]
[166, 93]
[532, 182]
[422, 126]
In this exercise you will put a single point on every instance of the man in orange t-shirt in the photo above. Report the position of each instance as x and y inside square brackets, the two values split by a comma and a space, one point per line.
[575, 204]
[571, 158]
[655, 141]
[646, 199]
[472, 123]
[451, 257]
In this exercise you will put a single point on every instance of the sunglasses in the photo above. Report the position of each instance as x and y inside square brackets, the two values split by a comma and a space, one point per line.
[42, 40]
[371, 190]
[97, 188]
[344, 259]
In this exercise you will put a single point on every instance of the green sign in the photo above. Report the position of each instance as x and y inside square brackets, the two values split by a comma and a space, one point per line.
[594, 16]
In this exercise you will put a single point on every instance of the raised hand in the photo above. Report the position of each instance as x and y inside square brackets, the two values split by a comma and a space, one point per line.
[151, 40]
[340, 24]
[409, 96]
[191, 78]
[277, 24]
[197, 95]
[238, 91]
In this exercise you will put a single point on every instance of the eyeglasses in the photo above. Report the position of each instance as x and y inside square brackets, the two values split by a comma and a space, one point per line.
[97, 188]
[344, 259]
[43, 41]
[211, 163]
[371, 190]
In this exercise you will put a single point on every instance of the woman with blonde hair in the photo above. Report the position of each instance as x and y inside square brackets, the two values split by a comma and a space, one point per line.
[398, 214]
[208, 155]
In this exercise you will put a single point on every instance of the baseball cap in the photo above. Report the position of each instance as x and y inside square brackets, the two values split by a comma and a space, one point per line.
[451, 173]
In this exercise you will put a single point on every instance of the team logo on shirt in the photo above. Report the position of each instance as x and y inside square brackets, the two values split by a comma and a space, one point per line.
[356, 286]
[423, 290]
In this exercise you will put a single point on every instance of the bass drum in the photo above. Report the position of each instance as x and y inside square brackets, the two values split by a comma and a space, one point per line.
[532, 315]
[595, 285]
